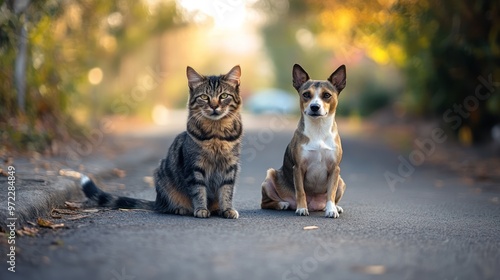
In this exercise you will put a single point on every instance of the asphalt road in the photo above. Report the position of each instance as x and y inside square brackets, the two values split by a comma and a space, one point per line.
[418, 230]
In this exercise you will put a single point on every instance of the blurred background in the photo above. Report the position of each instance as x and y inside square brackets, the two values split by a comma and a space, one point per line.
[67, 66]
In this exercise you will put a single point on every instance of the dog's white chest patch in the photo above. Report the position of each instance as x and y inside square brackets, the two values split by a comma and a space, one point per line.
[320, 134]
[319, 153]
[320, 144]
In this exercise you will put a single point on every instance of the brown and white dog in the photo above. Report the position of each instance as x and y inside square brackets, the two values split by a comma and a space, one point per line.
[309, 179]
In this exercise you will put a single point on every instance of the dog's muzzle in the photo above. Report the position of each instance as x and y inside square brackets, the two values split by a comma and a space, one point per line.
[315, 107]
[314, 110]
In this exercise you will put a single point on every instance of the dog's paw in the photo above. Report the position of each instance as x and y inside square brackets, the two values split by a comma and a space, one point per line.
[283, 205]
[332, 214]
[202, 213]
[302, 212]
[231, 214]
[331, 210]
[339, 209]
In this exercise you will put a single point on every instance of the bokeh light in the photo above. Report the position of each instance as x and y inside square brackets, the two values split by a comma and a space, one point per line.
[95, 76]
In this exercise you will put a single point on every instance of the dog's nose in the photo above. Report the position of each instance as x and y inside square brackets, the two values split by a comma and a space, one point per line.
[315, 107]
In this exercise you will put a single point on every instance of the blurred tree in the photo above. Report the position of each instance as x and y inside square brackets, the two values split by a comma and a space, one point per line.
[452, 48]
[289, 40]
[446, 49]
[18, 8]
[65, 39]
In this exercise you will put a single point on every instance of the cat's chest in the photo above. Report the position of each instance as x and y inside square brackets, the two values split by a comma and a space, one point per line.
[219, 153]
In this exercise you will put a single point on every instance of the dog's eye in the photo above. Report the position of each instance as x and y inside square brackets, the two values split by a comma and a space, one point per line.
[306, 94]
[327, 95]
[204, 97]
[223, 96]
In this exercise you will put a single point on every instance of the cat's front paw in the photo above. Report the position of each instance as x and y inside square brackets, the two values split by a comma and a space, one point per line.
[230, 214]
[181, 211]
[202, 213]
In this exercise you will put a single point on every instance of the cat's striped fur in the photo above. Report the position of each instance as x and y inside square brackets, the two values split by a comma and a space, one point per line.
[198, 175]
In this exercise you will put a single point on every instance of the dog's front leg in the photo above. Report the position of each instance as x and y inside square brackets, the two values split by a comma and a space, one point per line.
[300, 194]
[333, 183]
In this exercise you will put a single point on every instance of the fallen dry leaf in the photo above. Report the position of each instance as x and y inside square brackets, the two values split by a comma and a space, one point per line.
[65, 211]
[43, 223]
[72, 205]
[370, 269]
[149, 180]
[3, 173]
[310, 227]
[60, 213]
[119, 173]
[77, 217]
[90, 210]
[27, 231]
[70, 173]
[55, 215]
[48, 224]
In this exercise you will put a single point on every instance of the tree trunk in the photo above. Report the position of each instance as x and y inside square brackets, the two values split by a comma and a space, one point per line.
[20, 67]
[19, 7]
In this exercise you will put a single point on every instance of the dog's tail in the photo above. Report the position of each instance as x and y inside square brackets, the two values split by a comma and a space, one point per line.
[104, 199]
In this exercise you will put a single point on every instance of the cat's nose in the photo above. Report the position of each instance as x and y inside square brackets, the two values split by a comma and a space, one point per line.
[213, 105]
[215, 111]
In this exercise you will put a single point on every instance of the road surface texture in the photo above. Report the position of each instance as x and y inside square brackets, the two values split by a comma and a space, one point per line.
[432, 226]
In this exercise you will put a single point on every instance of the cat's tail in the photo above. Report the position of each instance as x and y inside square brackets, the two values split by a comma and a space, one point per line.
[104, 199]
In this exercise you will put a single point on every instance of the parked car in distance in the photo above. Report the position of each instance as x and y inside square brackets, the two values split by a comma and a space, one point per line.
[272, 101]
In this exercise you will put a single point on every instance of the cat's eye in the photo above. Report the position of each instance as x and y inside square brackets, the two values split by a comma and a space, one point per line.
[326, 95]
[306, 94]
[224, 96]
[204, 97]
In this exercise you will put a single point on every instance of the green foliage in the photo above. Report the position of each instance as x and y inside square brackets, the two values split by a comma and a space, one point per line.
[451, 44]
[65, 40]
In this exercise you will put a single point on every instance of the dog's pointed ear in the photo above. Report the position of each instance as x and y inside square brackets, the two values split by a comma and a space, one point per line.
[299, 75]
[233, 76]
[194, 79]
[338, 78]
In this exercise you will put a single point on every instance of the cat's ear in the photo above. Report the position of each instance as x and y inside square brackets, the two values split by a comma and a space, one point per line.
[194, 79]
[299, 75]
[233, 76]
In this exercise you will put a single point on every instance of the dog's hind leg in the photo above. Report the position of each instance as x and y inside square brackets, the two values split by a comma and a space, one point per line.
[270, 197]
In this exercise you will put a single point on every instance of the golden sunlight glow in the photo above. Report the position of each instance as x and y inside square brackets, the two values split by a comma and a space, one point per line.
[226, 15]
[379, 54]
[160, 115]
[95, 76]
[229, 26]
[305, 38]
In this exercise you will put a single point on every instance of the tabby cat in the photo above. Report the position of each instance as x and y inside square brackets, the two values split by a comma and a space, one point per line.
[198, 175]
